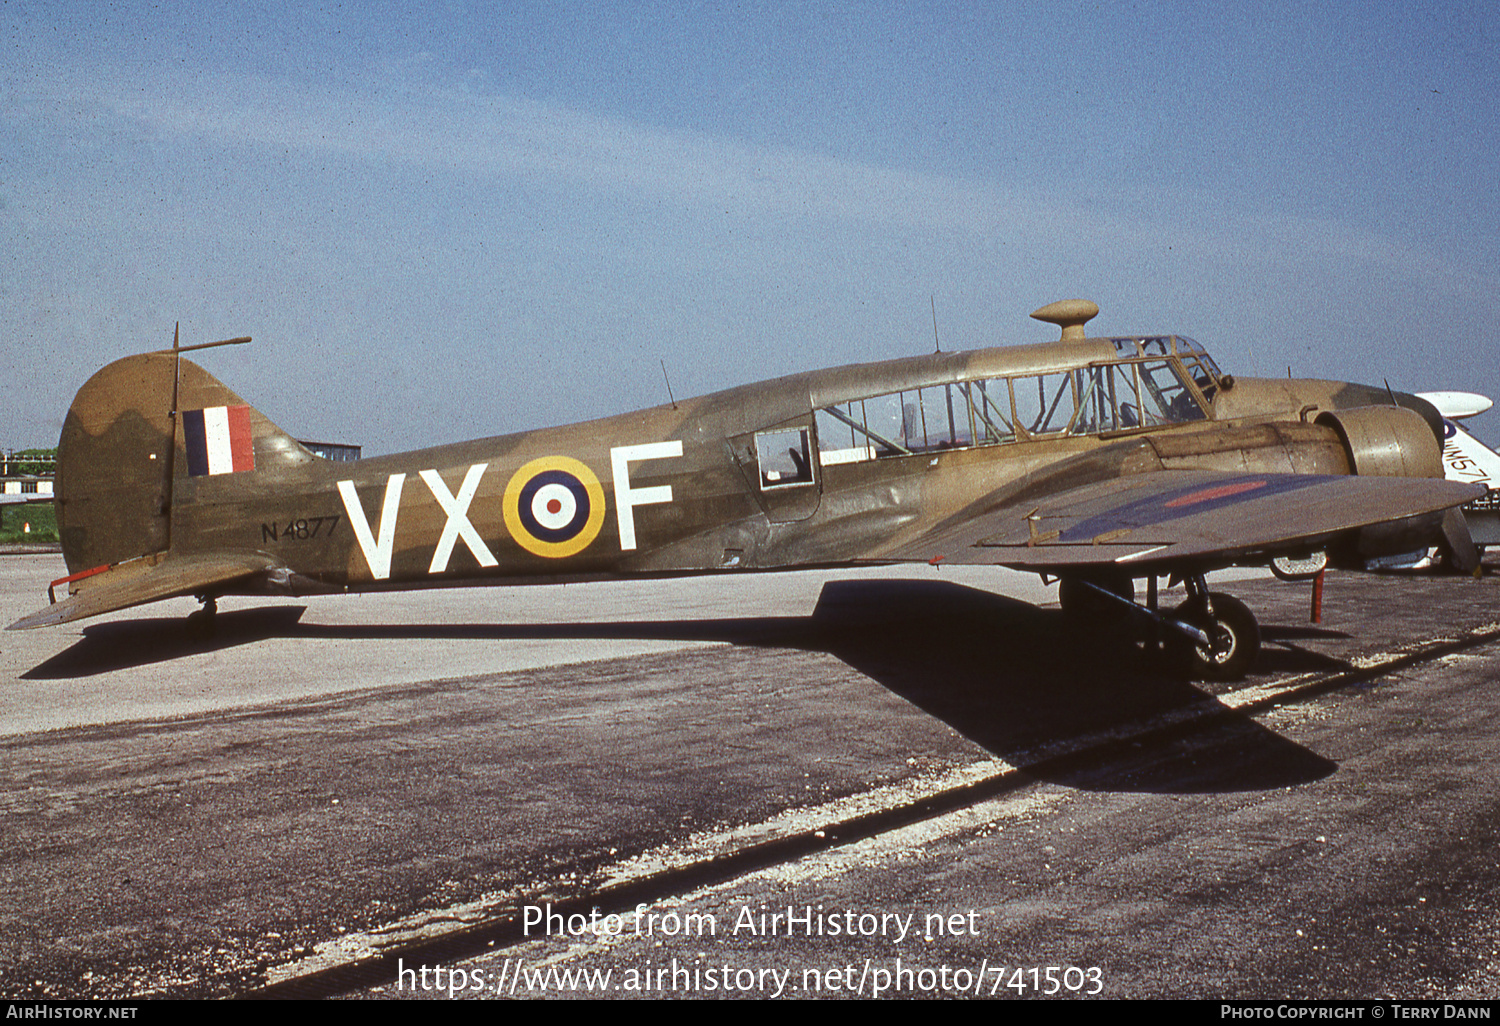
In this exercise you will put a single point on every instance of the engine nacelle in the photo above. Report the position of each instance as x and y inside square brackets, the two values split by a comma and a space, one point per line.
[1394, 538]
[1386, 441]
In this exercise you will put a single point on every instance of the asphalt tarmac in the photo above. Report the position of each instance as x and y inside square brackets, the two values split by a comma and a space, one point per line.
[891, 782]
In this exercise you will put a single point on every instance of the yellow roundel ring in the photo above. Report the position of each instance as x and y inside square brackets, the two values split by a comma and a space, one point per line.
[554, 507]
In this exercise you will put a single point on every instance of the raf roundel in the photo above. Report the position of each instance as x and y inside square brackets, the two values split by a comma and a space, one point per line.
[554, 507]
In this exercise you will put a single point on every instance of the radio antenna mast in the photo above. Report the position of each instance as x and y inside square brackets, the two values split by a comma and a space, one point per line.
[669, 384]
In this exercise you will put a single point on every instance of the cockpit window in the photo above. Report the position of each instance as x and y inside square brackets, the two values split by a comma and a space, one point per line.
[1133, 394]
[1200, 366]
[1195, 359]
[1187, 347]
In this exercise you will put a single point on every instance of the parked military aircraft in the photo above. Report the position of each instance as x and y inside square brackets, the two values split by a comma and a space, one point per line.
[1098, 460]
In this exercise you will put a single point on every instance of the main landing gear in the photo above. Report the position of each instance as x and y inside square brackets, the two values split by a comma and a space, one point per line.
[1211, 635]
[1227, 639]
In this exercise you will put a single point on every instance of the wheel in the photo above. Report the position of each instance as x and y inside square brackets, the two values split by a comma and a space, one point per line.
[202, 622]
[1234, 633]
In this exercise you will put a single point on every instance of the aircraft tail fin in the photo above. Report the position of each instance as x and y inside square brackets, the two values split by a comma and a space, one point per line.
[1466, 458]
[142, 441]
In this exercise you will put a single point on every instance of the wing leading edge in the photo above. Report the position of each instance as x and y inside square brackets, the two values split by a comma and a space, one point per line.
[1178, 517]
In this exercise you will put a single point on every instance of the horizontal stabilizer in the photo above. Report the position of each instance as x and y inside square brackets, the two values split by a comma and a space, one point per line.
[147, 580]
[1457, 405]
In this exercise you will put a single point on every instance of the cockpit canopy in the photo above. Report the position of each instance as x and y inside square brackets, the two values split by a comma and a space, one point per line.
[1195, 359]
[1150, 382]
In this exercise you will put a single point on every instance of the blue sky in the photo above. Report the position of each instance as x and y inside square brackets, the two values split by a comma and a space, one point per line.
[449, 220]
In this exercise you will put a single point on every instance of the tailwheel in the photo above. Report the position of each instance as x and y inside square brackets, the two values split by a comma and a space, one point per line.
[201, 622]
[1233, 636]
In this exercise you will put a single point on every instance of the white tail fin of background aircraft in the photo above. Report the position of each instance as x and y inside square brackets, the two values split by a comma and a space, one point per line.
[1467, 459]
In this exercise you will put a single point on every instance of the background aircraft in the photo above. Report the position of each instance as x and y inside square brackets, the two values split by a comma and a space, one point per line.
[1101, 461]
[1467, 459]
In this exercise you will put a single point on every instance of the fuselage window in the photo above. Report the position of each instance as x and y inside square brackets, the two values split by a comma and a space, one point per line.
[955, 415]
[885, 424]
[785, 458]
[841, 435]
[939, 416]
[992, 411]
[863, 429]
[1044, 403]
[1100, 408]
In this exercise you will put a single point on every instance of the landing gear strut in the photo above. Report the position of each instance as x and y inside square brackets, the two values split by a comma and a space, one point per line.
[1211, 635]
[1091, 602]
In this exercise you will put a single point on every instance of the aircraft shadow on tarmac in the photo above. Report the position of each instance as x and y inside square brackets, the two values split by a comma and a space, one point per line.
[1013, 678]
[1009, 676]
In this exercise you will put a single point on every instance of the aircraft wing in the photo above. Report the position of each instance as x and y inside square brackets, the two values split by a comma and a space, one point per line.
[142, 580]
[1176, 517]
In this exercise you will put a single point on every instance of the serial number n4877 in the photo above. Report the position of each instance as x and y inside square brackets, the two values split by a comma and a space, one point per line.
[301, 529]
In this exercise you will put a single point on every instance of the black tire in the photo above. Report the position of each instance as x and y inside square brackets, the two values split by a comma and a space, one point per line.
[1235, 634]
[202, 625]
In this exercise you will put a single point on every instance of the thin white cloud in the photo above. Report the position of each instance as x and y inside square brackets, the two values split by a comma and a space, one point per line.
[496, 136]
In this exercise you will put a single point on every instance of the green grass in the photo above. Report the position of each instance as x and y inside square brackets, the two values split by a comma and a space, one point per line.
[15, 516]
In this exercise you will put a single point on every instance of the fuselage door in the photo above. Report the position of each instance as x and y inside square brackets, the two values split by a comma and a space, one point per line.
[781, 467]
